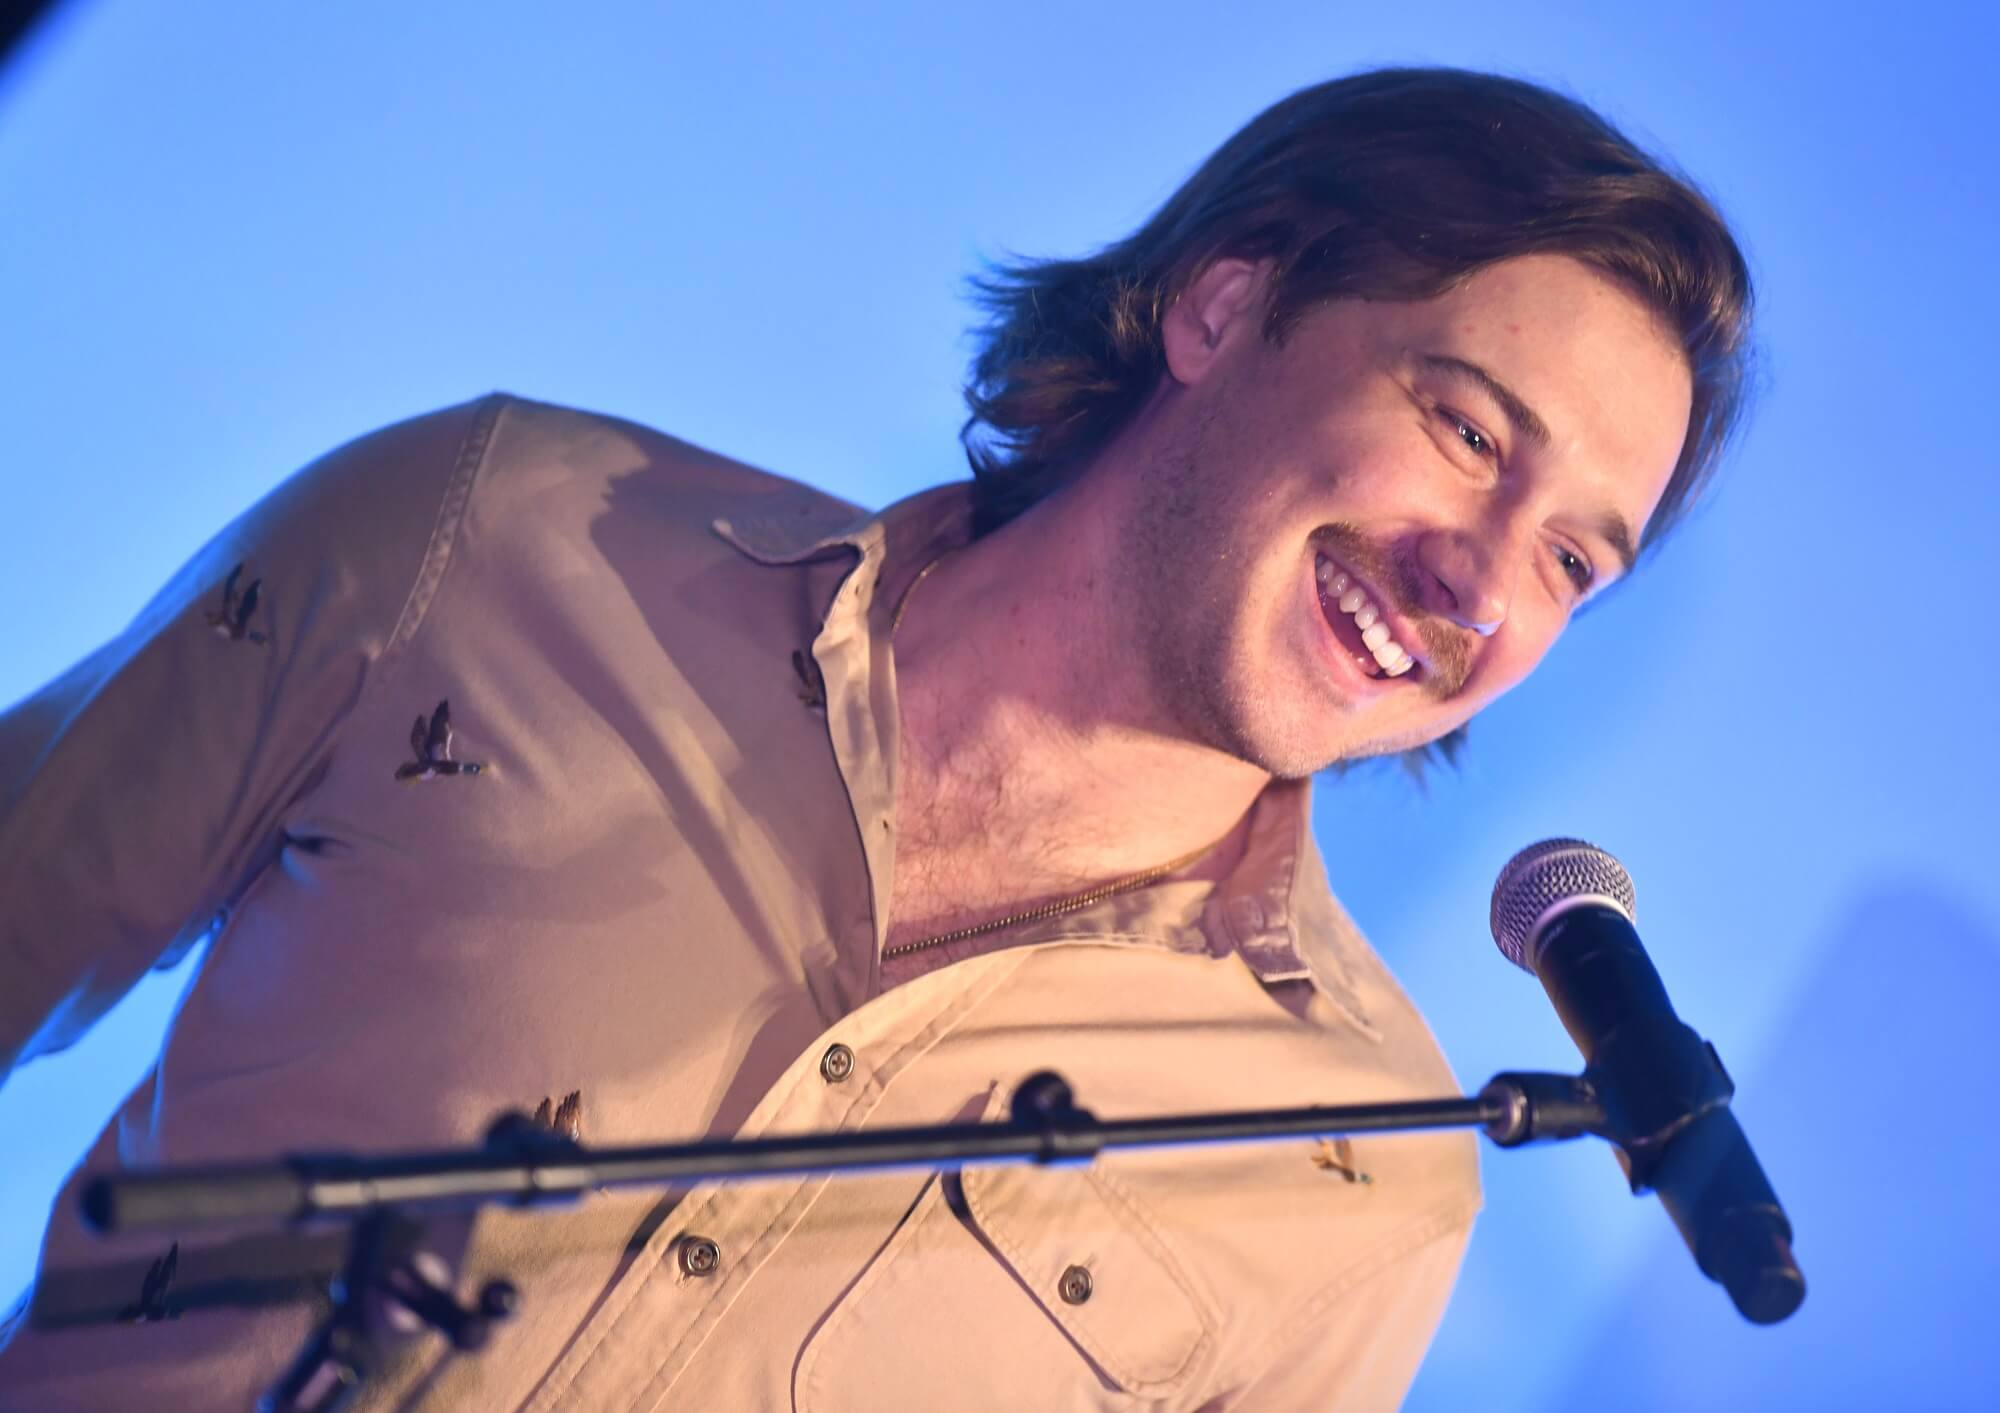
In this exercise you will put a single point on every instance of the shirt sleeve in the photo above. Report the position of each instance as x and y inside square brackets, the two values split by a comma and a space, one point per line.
[1362, 1354]
[142, 790]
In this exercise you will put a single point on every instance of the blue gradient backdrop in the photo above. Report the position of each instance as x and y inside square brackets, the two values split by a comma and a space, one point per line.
[233, 235]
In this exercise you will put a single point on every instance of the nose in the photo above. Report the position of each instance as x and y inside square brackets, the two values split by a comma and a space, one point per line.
[1470, 575]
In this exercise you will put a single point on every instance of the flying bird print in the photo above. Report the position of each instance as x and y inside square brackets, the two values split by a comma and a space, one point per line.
[152, 1304]
[233, 621]
[1337, 1156]
[431, 741]
[565, 1118]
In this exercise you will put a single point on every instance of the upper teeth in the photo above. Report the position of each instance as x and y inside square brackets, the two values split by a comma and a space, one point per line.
[1390, 655]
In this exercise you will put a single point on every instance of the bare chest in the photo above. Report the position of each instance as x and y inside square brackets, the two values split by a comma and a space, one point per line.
[988, 874]
[933, 892]
[960, 865]
[932, 879]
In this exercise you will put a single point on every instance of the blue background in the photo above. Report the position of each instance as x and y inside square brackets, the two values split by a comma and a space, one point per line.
[233, 235]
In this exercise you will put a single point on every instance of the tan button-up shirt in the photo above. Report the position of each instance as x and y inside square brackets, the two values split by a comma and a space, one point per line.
[650, 912]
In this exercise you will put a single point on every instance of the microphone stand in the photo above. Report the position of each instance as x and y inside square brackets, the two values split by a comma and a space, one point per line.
[523, 1163]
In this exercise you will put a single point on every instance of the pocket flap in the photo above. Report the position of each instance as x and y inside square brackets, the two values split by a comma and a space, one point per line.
[1135, 1308]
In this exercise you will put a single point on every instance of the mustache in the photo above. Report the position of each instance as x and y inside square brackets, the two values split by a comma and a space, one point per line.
[1447, 649]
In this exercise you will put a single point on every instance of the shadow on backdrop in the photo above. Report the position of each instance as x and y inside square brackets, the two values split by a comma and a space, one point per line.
[1873, 1112]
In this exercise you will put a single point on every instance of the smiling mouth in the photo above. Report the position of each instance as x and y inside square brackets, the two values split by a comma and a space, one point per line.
[1357, 623]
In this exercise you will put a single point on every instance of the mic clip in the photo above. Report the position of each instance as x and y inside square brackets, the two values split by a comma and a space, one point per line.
[1655, 1082]
[1525, 1107]
[1638, 1095]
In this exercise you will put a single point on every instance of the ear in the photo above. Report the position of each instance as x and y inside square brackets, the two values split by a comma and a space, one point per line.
[1224, 305]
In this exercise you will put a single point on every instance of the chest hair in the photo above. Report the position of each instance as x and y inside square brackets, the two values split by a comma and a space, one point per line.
[964, 857]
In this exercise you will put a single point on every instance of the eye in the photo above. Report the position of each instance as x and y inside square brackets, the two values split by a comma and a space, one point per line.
[1576, 566]
[1467, 431]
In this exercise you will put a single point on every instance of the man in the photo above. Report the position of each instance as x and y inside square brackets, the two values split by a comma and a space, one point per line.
[727, 808]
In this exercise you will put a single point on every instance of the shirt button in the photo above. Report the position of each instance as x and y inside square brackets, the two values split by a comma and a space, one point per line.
[1075, 1285]
[699, 1256]
[836, 1064]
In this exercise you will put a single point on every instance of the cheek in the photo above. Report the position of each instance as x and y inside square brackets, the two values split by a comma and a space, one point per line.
[1396, 468]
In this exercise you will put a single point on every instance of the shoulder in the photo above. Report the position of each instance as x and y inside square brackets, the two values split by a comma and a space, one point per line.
[1378, 1026]
[1352, 975]
[541, 452]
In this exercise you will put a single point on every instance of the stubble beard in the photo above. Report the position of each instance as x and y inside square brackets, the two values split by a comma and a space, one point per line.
[1182, 588]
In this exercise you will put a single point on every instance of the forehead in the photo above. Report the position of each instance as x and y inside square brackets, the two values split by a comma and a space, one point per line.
[1609, 380]
[1548, 299]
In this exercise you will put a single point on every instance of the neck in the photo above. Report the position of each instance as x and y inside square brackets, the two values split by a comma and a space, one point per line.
[1030, 729]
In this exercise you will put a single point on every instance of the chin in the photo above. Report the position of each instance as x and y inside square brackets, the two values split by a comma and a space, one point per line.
[1293, 749]
[1304, 746]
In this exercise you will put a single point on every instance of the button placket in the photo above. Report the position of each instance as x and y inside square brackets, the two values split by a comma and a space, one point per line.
[749, 1222]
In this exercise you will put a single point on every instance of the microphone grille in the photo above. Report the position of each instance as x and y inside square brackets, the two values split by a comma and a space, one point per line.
[1545, 877]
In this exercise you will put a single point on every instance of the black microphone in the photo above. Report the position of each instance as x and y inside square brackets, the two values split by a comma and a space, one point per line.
[1562, 911]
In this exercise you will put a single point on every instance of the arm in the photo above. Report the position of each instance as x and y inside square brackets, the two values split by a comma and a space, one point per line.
[141, 791]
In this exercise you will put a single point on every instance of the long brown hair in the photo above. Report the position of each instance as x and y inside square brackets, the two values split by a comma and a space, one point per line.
[1392, 184]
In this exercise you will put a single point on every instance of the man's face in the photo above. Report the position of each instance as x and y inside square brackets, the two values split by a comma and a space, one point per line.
[1472, 467]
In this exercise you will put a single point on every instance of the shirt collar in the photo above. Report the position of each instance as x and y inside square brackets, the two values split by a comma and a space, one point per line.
[1275, 908]
[778, 530]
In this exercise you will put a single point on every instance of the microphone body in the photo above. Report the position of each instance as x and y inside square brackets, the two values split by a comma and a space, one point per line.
[1563, 911]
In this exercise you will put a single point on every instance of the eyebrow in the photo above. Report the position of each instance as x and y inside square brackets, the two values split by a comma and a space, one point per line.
[1611, 525]
[1524, 418]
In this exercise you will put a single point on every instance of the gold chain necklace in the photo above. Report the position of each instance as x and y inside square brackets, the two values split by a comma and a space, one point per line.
[1046, 910]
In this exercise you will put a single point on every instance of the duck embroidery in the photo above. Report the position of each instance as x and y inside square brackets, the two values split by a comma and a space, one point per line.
[431, 741]
[233, 621]
[565, 1118]
[1337, 1156]
[152, 1303]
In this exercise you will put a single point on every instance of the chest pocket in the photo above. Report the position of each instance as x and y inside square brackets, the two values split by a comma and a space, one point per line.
[1012, 1288]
